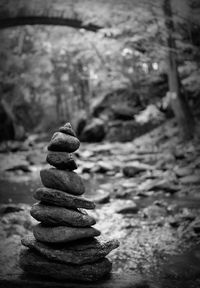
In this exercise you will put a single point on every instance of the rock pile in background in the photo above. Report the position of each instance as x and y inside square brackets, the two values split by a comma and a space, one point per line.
[63, 245]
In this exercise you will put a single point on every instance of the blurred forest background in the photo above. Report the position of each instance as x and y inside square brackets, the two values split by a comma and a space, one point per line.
[102, 65]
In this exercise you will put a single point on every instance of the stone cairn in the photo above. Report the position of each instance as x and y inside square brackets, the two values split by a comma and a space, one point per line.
[63, 245]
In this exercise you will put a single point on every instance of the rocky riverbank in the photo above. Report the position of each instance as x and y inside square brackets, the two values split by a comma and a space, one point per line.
[149, 191]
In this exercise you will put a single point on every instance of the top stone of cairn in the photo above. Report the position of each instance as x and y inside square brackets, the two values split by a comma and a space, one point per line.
[67, 129]
[64, 140]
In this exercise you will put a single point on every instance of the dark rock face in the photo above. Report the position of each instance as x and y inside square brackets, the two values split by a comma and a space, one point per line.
[63, 142]
[7, 130]
[123, 112]
[131, 171]
[87, 251]
[51, 215]
[94, 131]
[61, 234]
[35, 264]
[62, 180]
[128, 130]
[60, 198]
[126, 207]
[61, 160]
[102, 197]
[191, 179]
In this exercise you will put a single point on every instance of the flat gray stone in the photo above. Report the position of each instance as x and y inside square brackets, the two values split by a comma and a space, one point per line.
[101, 196]
[134, 168]
[184, 171]
[191, 179]
[52, 215]
[63, 142]
[61, 160]
[67, 129]
[62, 234]
[67, 181]
[33, 263]
[87, 251]
[60, 198]
[126, 207]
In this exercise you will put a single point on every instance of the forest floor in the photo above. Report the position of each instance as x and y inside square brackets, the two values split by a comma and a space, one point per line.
[148, 197]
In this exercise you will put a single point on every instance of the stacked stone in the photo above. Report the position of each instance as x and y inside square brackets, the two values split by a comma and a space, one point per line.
[63, 245]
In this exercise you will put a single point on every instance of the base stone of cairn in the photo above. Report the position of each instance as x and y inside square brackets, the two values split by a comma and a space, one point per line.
[64, 245]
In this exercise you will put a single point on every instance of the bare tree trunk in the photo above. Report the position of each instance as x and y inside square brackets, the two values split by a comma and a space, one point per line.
[179, 104]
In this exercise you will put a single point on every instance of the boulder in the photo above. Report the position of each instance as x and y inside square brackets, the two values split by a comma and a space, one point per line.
[123, 111]
[94, 131]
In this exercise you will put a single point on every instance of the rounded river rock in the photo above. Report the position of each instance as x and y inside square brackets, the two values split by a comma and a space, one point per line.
[67, 129]
[61, 160]
[62, 234]
[87, 251]
[67, 181]
[52, 215]
[63, 142]
[60, 198]
[33, 263]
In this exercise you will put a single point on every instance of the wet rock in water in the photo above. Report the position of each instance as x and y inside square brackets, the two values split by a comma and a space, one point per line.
[134, 168]
[183, 171]
[158, 185]
[10, 208]
[154, 212]
[191, 179]
[87, 167]
[126, 207]
[103, 167]
[124, 193]
[33, 263]
[83, 251]
[63, 142]
[166, 186]
[101, 197]
[23, 167]
[67, 181]
[176, 220]
[130, 171]
[52, 215]
[60, 198]
[61, 234]
[61, 160]
[67, 129]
